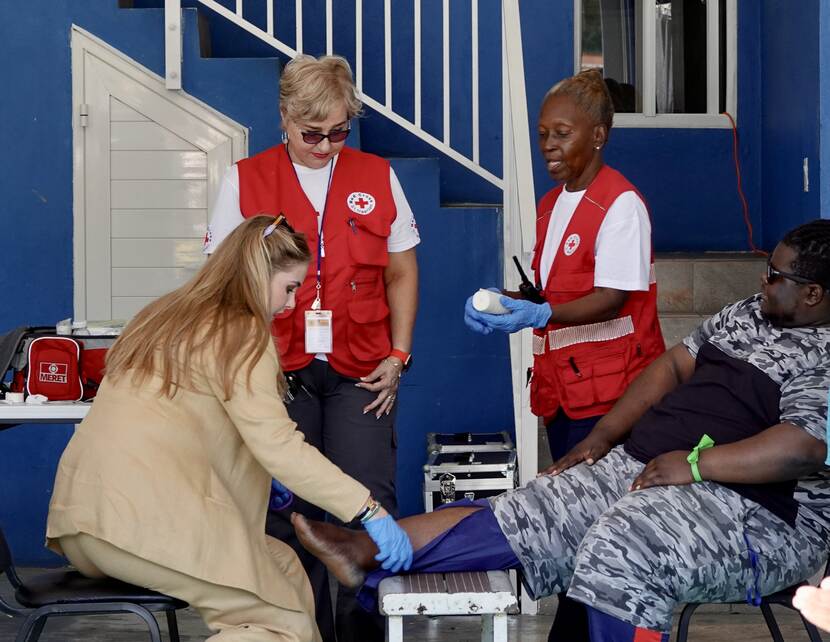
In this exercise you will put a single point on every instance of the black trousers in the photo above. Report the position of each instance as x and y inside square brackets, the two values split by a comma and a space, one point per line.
[329, 412]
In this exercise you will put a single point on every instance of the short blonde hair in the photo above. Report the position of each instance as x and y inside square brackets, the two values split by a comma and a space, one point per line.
[310, 88]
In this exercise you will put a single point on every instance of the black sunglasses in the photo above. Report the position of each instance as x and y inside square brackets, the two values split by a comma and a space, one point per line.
[773, 275]
[334, 136]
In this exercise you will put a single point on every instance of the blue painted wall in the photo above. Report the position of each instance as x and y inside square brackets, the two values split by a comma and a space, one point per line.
[790, 120]
[687, 175]
[36, 184]
[459, 381]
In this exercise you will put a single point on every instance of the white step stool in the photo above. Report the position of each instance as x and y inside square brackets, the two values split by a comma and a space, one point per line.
[487, 594]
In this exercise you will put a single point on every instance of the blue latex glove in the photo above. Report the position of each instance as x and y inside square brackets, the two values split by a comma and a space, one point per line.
[523, 314]
[473, 318]
[395, 548]
[281, 497]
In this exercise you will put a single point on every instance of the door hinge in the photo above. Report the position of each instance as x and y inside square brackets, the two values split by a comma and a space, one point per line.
[83, 114]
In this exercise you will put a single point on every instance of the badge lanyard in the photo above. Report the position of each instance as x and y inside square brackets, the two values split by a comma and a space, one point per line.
[317, 304]
[318, 322]
[320, 246]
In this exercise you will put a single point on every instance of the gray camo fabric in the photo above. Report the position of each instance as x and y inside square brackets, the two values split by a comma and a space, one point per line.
[634, 555]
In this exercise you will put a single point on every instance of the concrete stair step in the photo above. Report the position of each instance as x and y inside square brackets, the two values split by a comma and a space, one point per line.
[701, 284]
[676, 326]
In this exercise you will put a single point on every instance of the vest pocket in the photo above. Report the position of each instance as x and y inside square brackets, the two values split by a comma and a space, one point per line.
[577, 388]
[610, 377]
[368, 331]
[367, 240]
[592, 377]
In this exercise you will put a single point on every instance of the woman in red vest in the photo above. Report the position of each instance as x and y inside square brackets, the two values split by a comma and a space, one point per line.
[597, 328]
[348, 340]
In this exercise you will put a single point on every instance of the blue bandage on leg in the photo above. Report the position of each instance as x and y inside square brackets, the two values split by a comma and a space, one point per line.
[476, 543]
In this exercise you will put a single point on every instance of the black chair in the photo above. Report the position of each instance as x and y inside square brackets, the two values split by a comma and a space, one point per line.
[62, 593]
[782, 598]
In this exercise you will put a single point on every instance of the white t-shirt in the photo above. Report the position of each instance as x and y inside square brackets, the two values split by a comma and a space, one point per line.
[623, 246]
[226, 213]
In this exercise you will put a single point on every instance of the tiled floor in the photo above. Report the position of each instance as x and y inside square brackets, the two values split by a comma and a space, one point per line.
[711, 624]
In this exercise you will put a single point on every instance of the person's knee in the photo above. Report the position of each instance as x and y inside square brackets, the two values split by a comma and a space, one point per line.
[617, 547]
[76, 549]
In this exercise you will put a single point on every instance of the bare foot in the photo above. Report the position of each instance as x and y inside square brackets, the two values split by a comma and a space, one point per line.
[333, 546]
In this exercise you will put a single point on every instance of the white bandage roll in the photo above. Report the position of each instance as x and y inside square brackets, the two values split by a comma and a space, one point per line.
[488, 301]
[14, 397]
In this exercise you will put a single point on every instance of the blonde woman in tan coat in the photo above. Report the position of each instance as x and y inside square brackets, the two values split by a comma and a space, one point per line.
[165, 484]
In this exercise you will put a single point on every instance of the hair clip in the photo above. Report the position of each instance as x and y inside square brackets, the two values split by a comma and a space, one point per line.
[278, 220]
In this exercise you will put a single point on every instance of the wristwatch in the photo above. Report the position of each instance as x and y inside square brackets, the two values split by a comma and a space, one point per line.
[405, 357]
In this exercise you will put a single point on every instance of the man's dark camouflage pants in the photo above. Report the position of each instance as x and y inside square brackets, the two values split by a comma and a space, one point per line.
[634, 555]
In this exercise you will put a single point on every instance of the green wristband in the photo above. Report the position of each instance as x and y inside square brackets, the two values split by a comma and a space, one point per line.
[705, 442]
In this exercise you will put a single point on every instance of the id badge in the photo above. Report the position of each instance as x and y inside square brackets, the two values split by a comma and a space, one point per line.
[318, 335]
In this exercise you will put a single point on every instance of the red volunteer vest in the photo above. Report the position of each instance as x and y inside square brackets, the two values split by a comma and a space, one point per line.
[359, 214]
[584, 369]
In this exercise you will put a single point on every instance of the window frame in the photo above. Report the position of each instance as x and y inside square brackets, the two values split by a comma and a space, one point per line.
[712, 119]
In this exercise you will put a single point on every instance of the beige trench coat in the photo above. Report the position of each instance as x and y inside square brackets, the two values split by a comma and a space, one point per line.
[184, 482]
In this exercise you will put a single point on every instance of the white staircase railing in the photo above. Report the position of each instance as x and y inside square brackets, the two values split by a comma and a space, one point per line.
[516, 176]
[515, 135]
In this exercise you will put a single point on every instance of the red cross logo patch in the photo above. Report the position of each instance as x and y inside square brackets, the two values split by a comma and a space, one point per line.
[571, 243]
[361, 202]
[208, 238]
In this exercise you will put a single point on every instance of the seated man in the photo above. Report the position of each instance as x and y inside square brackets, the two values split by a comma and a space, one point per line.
[719, 491]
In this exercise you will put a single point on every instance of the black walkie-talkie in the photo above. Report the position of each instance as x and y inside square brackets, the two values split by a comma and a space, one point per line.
[528, 290]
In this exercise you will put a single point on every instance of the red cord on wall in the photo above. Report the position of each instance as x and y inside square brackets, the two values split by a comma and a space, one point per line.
[740, 186]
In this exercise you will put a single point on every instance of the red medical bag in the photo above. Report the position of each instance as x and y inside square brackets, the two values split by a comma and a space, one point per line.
[54, 369]
[63, 368]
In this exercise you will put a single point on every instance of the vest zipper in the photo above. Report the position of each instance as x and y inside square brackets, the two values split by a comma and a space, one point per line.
[354, 286]
[353, 226]
[572, 361]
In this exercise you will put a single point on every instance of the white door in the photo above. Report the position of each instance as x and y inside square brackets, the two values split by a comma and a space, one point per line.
[148, 162]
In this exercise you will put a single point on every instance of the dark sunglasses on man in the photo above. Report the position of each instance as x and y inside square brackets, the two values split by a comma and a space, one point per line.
[774, 274]
[334, 136]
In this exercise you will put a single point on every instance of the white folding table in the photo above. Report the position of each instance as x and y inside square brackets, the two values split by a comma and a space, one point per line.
[52, 412]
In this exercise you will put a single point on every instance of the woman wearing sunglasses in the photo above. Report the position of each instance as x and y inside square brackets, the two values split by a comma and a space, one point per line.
[348, 340]
[165, 482]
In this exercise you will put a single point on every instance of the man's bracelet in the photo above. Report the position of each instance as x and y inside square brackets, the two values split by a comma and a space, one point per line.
[694, 457]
